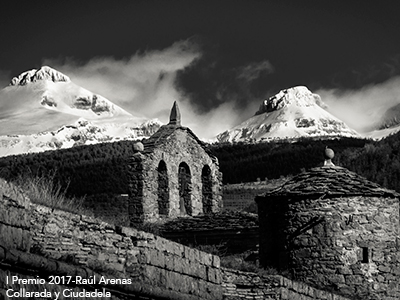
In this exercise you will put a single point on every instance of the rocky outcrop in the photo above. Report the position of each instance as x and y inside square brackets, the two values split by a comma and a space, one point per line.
[44, 73]
[300, 96]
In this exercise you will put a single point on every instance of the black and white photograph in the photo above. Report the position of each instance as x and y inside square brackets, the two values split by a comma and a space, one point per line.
[198, 149]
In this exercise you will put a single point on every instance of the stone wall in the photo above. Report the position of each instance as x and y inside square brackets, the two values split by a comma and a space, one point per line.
[246, 285]
[25, 275]
[346, 244]
[33, 236]
[178, 150]
[14, 221]
[143, 256]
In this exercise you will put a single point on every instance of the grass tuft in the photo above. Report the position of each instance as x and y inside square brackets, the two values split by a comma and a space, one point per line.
[47, 191]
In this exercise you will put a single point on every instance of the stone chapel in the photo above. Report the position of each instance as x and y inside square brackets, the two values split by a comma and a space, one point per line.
[173, 174]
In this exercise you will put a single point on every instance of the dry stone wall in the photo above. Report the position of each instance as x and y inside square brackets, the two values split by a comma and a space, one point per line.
[53, 242]
[246, 285]
[146, 258]
[14, 222]
[25, 275]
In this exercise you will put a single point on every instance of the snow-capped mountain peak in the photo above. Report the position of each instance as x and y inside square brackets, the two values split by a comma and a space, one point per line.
[44, 73]
[45, 99]
[44, 110]
[292, 113]
[300, 96]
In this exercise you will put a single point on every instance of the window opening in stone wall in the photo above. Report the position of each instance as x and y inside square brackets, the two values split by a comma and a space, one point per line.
[163, 190]
[206, 181]
[365, 258]
[185, 188]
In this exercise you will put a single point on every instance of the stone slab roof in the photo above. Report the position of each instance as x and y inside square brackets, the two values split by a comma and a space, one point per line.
[229, 220]
[164, 132]
[330, 181]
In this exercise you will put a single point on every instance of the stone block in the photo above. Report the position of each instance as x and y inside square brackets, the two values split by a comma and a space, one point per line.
[185, 266]
[193, 287]
[169, 262]
[11, 237]
[384, 268]
[189, 253]
[17, 217]
[216, 261]
[213, 275]
[173, 280]
[152, 275]
[200, 271]
[354, 279]
[336, 278]
[206, 258]
[156, 258]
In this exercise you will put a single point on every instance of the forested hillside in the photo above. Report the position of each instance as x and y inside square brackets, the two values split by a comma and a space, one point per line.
[101, 169]
[86, 170]
[246, 162]
[378, 161]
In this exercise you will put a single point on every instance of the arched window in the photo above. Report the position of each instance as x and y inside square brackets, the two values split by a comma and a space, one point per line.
[163, 190]
[206, 189]
[185, 188]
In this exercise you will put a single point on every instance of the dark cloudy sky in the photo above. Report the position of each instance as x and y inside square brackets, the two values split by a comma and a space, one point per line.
[215, 56]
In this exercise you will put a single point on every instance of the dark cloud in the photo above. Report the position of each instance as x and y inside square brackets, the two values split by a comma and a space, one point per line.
[215, 79]
[236, 53]
[5, 77]
[145, 84]
[369, 74]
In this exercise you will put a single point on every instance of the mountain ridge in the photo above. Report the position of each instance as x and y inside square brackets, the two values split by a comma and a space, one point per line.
[292, 113]
[44, 73]
[37, 104]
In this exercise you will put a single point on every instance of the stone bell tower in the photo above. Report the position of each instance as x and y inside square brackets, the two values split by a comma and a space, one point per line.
[173, 175]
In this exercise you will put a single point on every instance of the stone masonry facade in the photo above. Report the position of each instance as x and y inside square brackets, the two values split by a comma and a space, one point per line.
[173, 174]
[334, 230]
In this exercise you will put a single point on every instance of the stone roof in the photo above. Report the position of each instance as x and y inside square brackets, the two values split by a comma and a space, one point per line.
[227, 220]
[164, 132]
[332, 181]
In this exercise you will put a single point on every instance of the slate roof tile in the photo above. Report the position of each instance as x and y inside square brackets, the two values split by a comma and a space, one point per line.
[164, 132]
[330, 180]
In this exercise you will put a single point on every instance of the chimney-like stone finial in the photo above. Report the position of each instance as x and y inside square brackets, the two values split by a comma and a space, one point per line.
[328, 154]
[175, 116]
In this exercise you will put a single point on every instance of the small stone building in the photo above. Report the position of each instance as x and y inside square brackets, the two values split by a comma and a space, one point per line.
[334, 230]
[173, 174]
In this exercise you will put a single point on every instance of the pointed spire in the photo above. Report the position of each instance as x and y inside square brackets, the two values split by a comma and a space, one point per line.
[175, 116]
